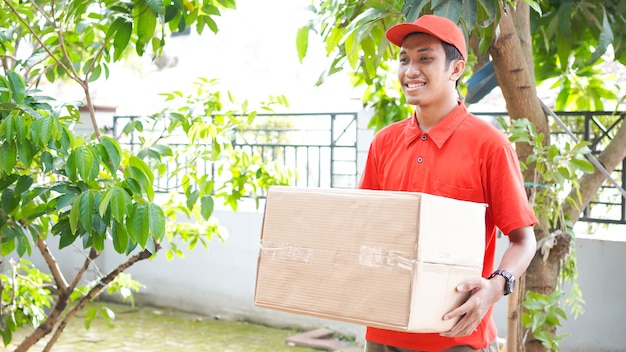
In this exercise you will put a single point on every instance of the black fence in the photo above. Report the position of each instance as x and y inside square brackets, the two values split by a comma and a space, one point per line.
[319, 148]
[322, 149]
[597, 128]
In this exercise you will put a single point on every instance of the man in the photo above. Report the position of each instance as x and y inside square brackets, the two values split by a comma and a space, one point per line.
[446, 151]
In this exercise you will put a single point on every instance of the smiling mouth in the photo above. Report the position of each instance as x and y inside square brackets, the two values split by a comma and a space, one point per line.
[415, 85]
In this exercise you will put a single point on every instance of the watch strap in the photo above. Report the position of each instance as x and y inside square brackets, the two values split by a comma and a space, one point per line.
[509, 284]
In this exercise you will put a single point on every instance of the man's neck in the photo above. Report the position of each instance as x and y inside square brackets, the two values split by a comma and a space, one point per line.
[429, 116]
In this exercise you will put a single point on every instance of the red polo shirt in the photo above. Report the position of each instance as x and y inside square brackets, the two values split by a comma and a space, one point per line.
[461, 157]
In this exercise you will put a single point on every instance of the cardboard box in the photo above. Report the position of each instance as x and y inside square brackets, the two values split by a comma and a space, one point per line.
[378, 258]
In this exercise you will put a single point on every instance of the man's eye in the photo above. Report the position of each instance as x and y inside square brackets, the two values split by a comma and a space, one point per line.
[425, 58]
[403, 60]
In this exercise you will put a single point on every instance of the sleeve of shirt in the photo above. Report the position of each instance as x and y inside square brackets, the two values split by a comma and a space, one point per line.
[507, 198]
[369, 177]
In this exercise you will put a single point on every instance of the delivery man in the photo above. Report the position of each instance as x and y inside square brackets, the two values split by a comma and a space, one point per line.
[444, 150]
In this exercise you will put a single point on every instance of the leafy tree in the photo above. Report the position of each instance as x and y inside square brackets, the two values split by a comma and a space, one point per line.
[96, 193]
[528, 42]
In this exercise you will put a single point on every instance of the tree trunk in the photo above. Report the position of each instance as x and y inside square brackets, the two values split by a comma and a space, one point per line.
[517, 82]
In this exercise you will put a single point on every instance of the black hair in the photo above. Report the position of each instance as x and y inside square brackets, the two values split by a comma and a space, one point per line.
[452, 53]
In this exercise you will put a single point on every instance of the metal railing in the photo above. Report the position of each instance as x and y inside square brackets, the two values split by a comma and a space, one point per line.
[322, 149]
[597, 128]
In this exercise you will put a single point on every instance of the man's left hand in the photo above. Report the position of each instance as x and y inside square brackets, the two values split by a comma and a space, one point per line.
[484, 293]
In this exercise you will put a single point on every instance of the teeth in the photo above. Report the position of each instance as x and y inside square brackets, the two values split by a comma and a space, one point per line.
[415, 85]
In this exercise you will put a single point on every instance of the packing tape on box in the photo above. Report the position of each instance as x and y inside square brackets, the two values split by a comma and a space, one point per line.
[378, 257]
[286, 251]
[369, 256]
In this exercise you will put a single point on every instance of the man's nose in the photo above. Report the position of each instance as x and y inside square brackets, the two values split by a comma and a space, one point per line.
[412, 69]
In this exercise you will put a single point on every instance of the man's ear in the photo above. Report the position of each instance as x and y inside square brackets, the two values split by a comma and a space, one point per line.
[457, 70]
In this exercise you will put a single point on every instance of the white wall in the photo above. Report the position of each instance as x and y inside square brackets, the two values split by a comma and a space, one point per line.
[600, 328]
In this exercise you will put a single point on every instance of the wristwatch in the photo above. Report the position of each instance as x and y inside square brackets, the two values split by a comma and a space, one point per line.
[509, 284]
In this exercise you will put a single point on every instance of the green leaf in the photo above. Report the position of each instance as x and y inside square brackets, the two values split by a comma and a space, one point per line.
[582, 165]
[162, 150]
[535, 6]
[352, 52]
[157, 221]
[140, 178]
[209, 22]
[141, 165]
[98, 241]
[90, 315]
[7, 125]
[6, 181]
[122, 38]
[42, 130]
[22, 129]
[141, 224]
[23, 184]
[114, 152]
[538, 320]
[605, 39]
[449, 9]
[156, 6]
[120, 237]
[8, 155]
[413, 9]
[133, 186]
[85, 161]
[67, 238]
[104, 203]
[229, 4]
[17, 85]
[563, 44]
[171, 11]
[65, 200]
[26, 152]
[5, 91]
[302, 42]
[469, 12]
[119, 22]
[87, 210]
[95, 73]
[75, 214]
[119, 200]
[145, 24]
[23, 245]
[490, 8]
[9, 201]
[192, 198]
[206, 209]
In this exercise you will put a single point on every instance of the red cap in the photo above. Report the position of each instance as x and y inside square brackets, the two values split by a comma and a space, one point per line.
[439, 27]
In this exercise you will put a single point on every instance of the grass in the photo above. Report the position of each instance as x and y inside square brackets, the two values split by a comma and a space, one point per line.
[163, 330]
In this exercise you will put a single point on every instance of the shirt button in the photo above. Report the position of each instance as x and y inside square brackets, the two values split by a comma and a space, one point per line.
[423, 137]
[419, 160]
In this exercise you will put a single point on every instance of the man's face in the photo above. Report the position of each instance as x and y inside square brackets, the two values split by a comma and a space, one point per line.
[422, 71]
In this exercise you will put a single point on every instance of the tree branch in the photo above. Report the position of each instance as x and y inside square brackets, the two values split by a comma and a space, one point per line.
[40, 41]
[610, 157]
[95, 291]
[53, 265]
[357, 11]
[93, 254]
